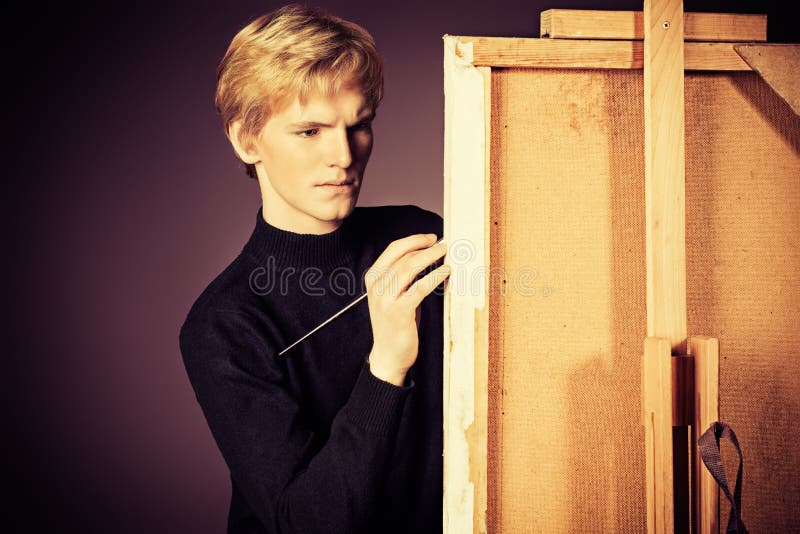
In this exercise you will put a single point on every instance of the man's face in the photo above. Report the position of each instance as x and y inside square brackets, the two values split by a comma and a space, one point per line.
[305, 148]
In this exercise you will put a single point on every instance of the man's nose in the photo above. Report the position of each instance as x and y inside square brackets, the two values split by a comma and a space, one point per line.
[341, 153]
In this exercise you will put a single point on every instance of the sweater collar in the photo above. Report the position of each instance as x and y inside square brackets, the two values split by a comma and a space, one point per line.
[270, 245]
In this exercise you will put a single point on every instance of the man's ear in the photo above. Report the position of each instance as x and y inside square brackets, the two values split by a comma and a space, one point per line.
[245, 151]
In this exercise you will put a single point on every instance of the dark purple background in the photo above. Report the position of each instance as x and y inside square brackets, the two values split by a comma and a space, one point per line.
[128, 201]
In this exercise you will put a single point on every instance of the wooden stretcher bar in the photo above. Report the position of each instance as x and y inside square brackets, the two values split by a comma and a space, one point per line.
[587, 54]
[466, 324]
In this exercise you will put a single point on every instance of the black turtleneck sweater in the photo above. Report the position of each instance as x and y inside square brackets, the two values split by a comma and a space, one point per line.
[313, 440]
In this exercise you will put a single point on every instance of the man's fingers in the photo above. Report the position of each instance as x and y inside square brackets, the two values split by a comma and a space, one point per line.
[413, 264]
[396, 250]
[425, 285]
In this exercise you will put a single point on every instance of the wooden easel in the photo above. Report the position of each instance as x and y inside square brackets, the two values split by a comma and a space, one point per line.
[680, 389]
[679, 375]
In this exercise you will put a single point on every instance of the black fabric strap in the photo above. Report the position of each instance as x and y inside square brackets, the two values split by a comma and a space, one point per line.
[709, 452]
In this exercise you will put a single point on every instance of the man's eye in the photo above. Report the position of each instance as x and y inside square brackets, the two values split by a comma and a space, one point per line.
[364, 125]
[308, 133]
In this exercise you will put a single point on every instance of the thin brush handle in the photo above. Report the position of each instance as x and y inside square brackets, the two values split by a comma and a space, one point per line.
[331, 318]
[334, 316]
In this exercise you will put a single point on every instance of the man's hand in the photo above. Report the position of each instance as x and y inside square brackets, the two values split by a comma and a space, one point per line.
[394, 302]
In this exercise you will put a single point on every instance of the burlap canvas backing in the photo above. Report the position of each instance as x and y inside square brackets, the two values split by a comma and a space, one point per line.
[567, 291]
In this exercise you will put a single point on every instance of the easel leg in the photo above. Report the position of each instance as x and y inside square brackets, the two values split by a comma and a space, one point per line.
[706, 404]
[657, 421]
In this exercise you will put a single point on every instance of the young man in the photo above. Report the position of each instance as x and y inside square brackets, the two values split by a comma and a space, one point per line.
[343, 432]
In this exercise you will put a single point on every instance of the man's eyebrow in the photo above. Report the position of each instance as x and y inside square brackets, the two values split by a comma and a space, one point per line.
[308, 125]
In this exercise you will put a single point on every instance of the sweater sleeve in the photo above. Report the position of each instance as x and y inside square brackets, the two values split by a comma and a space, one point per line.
[259, 427]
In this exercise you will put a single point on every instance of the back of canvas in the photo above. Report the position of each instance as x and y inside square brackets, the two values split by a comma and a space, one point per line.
[567, 307]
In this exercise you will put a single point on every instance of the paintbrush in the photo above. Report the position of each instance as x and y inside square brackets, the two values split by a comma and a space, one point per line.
[335, 315]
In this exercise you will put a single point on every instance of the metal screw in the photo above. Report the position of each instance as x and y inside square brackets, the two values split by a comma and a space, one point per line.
[666, 25]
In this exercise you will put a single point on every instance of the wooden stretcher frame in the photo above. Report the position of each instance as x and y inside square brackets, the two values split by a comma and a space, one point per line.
[467, 64]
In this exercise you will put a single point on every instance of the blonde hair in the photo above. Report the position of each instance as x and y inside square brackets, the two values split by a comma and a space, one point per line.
[288, 53]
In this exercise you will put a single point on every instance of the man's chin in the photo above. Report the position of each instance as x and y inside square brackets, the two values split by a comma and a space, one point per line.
[343, 212]
[337, 212]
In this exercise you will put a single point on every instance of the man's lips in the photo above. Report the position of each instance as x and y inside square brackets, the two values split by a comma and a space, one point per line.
[339, 183]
